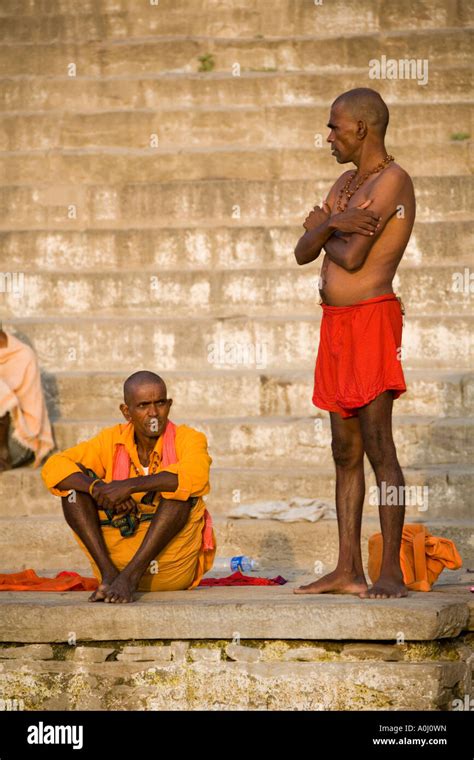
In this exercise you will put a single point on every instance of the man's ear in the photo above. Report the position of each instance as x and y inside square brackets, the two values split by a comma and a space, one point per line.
[170, 400]
[125, 412]
[361, 130]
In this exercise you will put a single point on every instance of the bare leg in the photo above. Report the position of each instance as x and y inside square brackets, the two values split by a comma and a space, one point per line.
[348, 453]
[170, 517]
[82, 516]
[376, 428]
[5, 457]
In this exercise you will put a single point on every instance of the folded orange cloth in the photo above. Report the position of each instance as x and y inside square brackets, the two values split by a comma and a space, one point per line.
[27, 580]
[422, 557]
[359, 354]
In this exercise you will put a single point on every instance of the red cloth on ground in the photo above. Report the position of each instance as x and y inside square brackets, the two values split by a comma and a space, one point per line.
[27, 580]
[237, 579]
[359, 354]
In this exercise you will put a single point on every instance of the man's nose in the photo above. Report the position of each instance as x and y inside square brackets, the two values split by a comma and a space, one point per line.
[152, 411]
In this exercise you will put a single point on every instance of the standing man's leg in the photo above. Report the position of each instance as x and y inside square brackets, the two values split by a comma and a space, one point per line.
[376, 429]
[348, 454]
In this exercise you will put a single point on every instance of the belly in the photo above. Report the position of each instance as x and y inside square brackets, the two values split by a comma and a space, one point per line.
[338, 287]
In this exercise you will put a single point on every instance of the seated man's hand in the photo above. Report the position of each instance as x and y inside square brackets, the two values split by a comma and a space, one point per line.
[114, 494]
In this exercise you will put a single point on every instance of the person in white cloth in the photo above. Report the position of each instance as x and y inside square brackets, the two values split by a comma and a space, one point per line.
[25, 430]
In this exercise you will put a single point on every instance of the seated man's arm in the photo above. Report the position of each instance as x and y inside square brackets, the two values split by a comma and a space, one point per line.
[351, 250]
[61, 473]
[188, 477]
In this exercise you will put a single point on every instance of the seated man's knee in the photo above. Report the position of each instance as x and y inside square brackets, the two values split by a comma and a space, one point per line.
[179, 508]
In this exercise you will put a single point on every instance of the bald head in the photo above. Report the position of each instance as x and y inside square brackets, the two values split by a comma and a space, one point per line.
[364, 104]
[140, 379]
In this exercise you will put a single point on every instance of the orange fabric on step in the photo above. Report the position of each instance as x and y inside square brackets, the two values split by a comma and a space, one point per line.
[27, 580]
[422, 557]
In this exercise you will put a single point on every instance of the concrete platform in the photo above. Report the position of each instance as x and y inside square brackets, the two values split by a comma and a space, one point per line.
[272, 612]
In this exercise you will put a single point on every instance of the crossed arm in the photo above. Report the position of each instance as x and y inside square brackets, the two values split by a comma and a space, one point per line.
[348, 236]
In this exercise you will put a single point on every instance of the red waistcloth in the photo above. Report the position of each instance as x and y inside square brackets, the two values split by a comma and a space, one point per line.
[359, 354]
[237, 579]
[27, 580]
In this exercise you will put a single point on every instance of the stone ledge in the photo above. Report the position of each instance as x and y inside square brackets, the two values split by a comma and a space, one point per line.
[226, 613]
[220, 685]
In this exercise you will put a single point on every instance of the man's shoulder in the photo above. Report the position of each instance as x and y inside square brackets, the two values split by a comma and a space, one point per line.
[396, 174]
[186, 432]
[111, 432]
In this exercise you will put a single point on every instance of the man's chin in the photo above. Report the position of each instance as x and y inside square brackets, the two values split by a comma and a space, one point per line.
[152, 433]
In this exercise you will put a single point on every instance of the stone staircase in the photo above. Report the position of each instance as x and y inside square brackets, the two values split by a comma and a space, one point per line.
[153, 208]
[152, 202]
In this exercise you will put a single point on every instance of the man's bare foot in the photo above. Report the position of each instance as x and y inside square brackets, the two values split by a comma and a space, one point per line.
[335, 583]
[121, 589]
[387, 587]
[99, 594]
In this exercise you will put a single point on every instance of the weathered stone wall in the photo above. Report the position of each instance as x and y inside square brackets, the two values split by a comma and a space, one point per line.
[223, 675]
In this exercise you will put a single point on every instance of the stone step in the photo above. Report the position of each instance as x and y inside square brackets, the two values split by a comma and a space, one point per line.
[248, 613]
[300, 547]
[448, 47]
[447, 84]
[437, 492]
[212, 248]
[258, 292]
[227, 343]
[239, 674]
[42, 23]
[258, 442]
[185, 126]
[200, 164]
[161, 204]
[81, 395]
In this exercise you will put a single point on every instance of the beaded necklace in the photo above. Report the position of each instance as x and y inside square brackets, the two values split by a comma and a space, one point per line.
[153, 467]
[349, 193]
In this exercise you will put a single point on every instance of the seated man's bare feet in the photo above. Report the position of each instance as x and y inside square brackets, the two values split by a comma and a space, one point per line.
[99, 594]
[121, 589]
[335, 583]
[387, 587]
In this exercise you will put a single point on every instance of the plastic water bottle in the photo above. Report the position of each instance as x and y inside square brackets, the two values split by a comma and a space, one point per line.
[232, 564]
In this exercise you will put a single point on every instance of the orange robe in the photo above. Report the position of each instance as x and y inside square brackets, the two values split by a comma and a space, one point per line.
[183, 562]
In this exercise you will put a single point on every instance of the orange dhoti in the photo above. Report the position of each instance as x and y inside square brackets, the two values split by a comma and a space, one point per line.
[180, 565]
[359, 354]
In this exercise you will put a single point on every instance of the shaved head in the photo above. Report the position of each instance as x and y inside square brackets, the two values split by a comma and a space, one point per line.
[364, 104]
[143, 377]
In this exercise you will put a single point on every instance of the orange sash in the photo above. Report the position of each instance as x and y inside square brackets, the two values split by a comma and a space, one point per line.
[121, 471]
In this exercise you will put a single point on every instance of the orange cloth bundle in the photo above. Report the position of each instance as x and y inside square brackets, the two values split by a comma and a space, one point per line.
[422, 557]
[27, 580]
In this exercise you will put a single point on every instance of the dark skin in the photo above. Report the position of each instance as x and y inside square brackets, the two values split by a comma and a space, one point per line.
[5, 458]
[148, 409]
[364, 245]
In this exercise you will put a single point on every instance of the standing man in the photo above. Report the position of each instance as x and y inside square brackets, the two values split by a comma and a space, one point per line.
[364, 226]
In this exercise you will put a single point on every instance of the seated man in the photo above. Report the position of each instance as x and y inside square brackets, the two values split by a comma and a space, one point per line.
[132, 496]
[25, 431]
